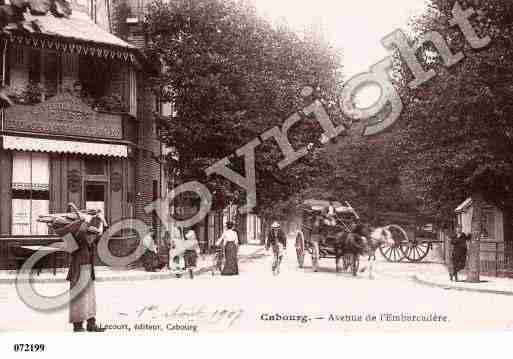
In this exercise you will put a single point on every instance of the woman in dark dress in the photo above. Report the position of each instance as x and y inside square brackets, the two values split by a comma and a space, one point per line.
[459, 254]
[230, 240]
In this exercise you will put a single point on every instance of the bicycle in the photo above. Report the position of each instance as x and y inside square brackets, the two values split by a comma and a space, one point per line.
[277, 258]
[218, 260]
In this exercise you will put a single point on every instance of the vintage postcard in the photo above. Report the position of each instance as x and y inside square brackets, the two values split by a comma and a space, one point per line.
[175, 167]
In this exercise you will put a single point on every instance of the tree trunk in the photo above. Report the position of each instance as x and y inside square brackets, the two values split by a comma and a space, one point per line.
[263, 230]
[508, 240]
[372, 195]
[474, 247]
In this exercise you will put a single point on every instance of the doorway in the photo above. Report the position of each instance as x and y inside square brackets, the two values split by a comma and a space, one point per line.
[96, 196]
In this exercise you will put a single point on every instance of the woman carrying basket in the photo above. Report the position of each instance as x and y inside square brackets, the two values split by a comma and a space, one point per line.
[86, 232]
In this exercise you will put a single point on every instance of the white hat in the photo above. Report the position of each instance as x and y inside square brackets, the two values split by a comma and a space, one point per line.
[275, 225]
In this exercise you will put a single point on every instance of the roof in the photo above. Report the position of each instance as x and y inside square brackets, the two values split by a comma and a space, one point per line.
[464, 205]
[75, 27]
[65, 31]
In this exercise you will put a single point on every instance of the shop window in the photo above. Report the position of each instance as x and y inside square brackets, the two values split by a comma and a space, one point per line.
[30, 192]
[95, 196]
[94, 166]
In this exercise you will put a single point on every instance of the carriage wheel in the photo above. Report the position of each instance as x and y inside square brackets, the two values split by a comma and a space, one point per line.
[415, 251]
[300, 249]
[391, 253]
[394, 253]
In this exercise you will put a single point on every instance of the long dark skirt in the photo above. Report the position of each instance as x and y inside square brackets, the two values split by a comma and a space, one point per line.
[83, 306]
[231, 267]
[459, 258]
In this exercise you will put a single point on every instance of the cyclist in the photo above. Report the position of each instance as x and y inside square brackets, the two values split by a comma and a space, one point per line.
[276, 240]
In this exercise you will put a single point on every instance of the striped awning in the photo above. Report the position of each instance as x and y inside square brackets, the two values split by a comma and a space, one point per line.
[46, 145]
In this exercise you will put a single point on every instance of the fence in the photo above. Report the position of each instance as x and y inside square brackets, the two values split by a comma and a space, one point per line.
[496, 258]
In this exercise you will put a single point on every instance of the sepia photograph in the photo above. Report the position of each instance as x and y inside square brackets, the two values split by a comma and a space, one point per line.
[175, 168]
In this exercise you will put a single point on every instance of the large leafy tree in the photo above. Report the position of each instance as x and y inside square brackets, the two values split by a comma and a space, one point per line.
[366, 173]
[457, 135]
[231, 76]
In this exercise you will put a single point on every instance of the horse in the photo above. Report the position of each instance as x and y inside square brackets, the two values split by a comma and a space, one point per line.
[361, 240]
[378, 237]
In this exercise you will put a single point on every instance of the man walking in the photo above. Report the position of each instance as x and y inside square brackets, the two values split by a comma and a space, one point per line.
[276, 240]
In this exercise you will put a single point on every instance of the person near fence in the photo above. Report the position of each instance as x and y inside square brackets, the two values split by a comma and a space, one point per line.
[458, 256]
[230, 239]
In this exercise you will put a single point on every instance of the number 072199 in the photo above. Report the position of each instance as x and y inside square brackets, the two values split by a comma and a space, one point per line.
[29, 347]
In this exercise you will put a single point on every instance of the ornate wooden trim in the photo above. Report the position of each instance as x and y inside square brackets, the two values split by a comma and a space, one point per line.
[79, 47]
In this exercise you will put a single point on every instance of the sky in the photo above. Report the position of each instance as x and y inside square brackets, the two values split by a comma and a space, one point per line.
[357, 26]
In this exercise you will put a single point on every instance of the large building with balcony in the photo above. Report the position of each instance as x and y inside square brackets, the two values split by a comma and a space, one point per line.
[80, 128]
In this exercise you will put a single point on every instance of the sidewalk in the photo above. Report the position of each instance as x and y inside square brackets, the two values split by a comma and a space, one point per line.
[105, 274]
[492, 285]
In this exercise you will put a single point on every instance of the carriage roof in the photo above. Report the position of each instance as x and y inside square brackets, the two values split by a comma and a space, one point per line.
[315, 205]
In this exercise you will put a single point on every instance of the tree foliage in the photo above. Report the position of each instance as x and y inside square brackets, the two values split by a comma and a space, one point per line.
[366, 173]
[231, 76]
[457, 135]
[11, 15]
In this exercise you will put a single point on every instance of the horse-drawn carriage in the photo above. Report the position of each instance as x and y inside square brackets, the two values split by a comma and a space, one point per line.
[331, 229]
[335, 218]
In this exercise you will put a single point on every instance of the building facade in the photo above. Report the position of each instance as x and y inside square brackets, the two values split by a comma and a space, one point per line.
[80, 129]
[496, 243]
